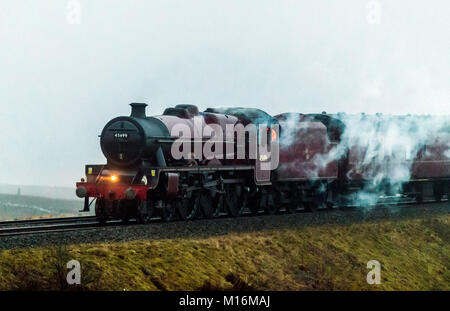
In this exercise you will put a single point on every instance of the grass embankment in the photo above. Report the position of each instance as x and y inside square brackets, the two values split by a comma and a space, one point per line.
[414, 255]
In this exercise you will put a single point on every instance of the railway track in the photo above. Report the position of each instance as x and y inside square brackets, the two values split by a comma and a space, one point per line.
[24, 227]
[46, 220]
[66, 224]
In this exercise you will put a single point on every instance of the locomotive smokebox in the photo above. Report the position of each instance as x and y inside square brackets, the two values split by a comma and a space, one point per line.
[138, 110]
[125, 141]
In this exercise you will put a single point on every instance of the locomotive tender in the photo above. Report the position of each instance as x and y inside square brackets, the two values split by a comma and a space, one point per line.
[142, 177]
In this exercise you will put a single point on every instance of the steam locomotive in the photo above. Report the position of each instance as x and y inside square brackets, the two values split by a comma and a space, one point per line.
[317, 166]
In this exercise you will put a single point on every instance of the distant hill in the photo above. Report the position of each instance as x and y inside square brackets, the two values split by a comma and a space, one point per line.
[13, 206]
[66, 193]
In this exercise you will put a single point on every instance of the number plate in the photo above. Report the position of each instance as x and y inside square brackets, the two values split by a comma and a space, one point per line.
[121, 136]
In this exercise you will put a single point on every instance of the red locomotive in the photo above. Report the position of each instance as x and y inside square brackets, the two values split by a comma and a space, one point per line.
[320, 162]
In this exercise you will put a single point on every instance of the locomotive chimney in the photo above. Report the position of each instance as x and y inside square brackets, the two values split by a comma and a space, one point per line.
[138, 110]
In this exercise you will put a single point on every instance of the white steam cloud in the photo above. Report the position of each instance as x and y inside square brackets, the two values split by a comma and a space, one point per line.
[384, 151]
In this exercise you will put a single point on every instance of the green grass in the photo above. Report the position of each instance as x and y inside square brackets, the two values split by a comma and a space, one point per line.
[414, 255]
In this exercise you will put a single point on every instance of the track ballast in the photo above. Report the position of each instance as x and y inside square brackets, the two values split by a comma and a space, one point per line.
[66, 224]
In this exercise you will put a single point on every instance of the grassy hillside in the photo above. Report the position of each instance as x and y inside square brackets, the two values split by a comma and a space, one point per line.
[16, 207]
[414, 255]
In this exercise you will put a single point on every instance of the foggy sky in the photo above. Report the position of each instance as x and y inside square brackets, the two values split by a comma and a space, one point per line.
[60, 83]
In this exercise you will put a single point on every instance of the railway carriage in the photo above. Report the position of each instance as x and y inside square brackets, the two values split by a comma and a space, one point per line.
[390, 159]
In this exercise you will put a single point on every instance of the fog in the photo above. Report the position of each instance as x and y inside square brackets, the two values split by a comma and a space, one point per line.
[61, 82]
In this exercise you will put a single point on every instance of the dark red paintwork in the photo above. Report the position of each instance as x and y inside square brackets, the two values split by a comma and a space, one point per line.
[433, 161]
[305, 150]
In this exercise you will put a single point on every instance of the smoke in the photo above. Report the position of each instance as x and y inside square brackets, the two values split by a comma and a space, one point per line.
[383, 149]
[302, 142]
[289, 126]
[383, 152]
